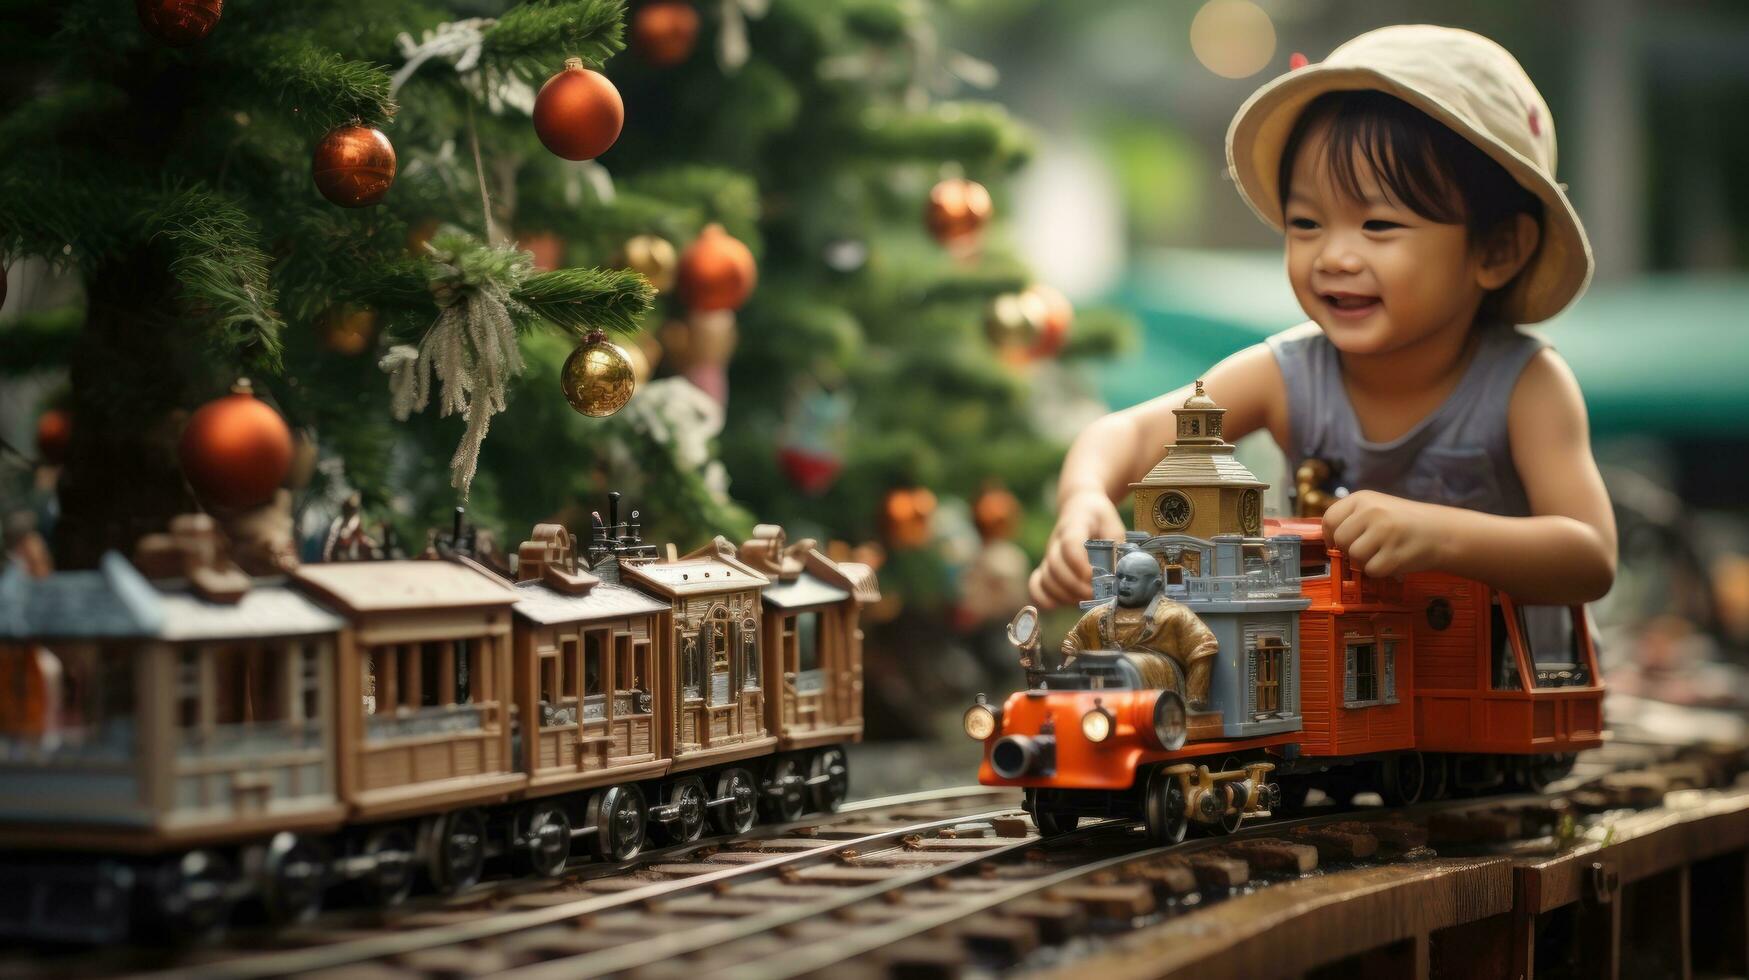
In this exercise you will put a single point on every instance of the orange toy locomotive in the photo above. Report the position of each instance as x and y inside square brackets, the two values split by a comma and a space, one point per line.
[178, 737]
[1228, 664]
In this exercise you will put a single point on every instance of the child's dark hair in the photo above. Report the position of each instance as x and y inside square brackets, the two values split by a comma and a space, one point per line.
[1416, 159]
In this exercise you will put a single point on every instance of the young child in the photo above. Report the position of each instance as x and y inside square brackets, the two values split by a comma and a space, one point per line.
[1413, 174]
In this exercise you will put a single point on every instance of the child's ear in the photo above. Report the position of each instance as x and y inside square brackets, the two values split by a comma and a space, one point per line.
[1507, 249]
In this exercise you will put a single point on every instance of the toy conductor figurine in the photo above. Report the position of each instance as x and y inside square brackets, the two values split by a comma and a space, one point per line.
[1140, 618]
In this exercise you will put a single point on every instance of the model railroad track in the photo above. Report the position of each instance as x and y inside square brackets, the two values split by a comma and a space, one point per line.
[347, 937]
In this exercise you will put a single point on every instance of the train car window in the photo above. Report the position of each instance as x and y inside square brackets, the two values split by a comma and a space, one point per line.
[1362, 663]
[1388, 658]
[549, 672]
[1266, 668]
[1554, 646]
[188, 688]
[1505, 665]
[718, 626]
[594, 649]
[249, 686]
[749, 654]
[637, 680]
[311, 657]
[808, 641]
[690, 668]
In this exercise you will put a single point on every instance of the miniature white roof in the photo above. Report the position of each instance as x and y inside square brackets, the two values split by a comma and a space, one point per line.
[267, 609]
[805, 590]
[693, 574]
[113, 600]
[389, 586]
[604, 600]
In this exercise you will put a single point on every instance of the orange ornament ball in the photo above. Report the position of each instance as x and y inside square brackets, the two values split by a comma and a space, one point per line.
[578, 113]
[178, 22]
[354, 166]
[665, 31]
[547, 249]
[906, 515]
[717, 271]
[996, 512]
[958, 210]
[236, 450]
[54, 432]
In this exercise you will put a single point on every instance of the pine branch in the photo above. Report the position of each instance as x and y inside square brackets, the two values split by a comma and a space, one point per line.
[976, 134]
[217, 259]
[534, 39]
[308, 82]
[586, 299]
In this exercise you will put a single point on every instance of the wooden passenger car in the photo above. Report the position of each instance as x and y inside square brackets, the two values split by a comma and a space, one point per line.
[424, 684]
[717, 705]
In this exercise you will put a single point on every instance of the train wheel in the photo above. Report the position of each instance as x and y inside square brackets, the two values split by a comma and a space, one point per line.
[1230, 821]
[294, 873]
[737, 802]
[619, 816]
[1163, 813]
[828, 779]
[1536, 772]
[1051, 824]
[686, 796]
[1403, 779]
[785, 800]
[390, 879]
[455, 849]
[543, 840]
[192, 895]
[1438, 776]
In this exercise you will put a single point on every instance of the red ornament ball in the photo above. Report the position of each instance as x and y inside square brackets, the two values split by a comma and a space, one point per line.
[578, 113]
[54, 431]
[354, 166]
[664, 32]
[178, 22]
[717, 271]
[808, 471]
[958, 210]
[236, 450]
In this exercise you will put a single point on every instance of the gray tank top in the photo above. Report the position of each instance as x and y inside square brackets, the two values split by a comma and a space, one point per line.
[1458, 455]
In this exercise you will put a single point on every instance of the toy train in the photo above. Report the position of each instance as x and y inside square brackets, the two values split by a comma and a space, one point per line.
[179, 737]
[1310, 673]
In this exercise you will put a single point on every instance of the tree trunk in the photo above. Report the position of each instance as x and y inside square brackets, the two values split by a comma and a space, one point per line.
[130, 380]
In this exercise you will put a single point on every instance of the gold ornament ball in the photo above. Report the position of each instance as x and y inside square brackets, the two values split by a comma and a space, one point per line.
[652, 257]
[1015, 320]
[178, 22]
[1058, 316]
[347, 330]
[598, 378]
[354, 166]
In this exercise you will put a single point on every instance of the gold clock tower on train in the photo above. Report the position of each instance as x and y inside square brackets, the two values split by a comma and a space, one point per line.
[1199, 488]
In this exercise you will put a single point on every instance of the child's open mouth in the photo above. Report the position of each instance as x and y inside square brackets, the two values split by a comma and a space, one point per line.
[1350, 306]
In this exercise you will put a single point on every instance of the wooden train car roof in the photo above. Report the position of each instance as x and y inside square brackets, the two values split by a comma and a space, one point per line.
[712, 568]
[805, 590]
[268, 609]
[540, 604]
[405, 586]
[111, 601]
[1199, 469]
[854, 576]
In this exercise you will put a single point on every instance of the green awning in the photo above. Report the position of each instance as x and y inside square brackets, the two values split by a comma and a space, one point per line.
[1660, 355]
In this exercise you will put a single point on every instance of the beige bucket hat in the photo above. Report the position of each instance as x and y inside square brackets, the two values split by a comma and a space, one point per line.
[1465, 81]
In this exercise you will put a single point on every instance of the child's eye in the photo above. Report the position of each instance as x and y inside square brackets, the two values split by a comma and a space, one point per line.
[1303, 224]
[1381, 225]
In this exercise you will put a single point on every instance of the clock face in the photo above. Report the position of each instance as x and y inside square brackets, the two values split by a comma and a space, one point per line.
[1173, 510]
[1251, 512]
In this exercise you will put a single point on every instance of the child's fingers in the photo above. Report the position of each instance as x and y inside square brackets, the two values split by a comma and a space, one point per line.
[1365, 547]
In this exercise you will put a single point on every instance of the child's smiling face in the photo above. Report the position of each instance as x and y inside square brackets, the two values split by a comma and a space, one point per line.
[1374, 274]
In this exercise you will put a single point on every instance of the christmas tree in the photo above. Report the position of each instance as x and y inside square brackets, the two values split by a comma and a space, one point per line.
[353, 204]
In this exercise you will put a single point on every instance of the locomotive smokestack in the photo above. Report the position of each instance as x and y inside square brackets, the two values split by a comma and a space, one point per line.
[613, 528]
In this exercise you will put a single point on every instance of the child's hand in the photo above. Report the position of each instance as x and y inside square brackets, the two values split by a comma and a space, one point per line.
[1065, 576]
[1385, 535]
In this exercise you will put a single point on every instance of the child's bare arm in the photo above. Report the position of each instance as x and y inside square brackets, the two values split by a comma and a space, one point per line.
[1564, 553]
[1119, 449]
[1567, 552]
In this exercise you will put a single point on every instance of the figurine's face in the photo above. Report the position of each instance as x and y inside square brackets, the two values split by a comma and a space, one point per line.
[1138, 580]
[1375, 275]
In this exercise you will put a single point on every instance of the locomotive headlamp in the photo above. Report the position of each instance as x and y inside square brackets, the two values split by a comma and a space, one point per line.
[1171, 721]
[980, 721]
[1096, 725]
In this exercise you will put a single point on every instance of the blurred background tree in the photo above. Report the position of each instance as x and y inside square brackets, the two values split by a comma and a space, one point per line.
[790, 242]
